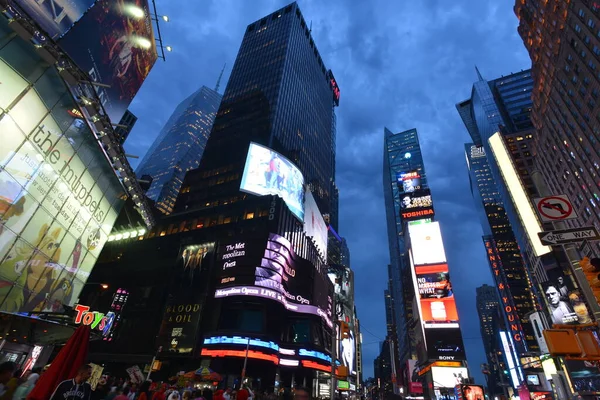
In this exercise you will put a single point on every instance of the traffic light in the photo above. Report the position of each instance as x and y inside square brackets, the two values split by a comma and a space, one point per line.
[591, 268]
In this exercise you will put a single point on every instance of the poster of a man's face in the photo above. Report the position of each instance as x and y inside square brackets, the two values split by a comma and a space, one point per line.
[561, 312]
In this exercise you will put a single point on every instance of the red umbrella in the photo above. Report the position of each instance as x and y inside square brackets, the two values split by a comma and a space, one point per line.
[65, 366]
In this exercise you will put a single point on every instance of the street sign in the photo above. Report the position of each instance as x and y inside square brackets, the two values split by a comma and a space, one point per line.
[569, 236]
[554, 208]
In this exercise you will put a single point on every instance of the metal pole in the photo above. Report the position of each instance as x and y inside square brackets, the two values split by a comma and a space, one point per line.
[333, 347]
[245, 362]
[152, 363]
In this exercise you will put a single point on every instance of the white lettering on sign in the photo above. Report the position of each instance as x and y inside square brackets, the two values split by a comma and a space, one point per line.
[234, 250]
[446, 358]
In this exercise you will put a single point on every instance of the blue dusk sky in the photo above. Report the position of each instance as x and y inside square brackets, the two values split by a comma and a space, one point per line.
[399, 64]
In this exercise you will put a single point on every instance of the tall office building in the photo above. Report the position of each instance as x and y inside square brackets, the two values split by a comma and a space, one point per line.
[503, 105]
[123, 129]
[179, 147]
[490, 322]
[564, 46]
[245, 248]
[401, 155]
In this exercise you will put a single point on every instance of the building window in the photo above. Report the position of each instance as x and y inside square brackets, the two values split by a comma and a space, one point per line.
[581, 13]
[591, 23]
[577, 28]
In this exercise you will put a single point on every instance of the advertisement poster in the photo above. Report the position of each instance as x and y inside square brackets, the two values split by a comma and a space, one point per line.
[269, 173]
[448, 377]
[438, 306]
[178, 330]
[585, 375]
[135, 374]
[56, 206]
[409, 181]
[565, 306]
[415, 386]
[472, 392]
[271, 269]
[55, 17]
[347, 353]
[314, 224]
[114, 43]
[445, 344]
[416, 199]
[96, 375]
[427, 246]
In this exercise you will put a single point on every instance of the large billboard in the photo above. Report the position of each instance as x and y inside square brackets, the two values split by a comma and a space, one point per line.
[269, 173]
[114, 44]
[59, 196]
[347, 352]
[416, 205]
[314, 224]
[436, 296]
[271, 269]
[448, 377]
[182, 314]
[427, 246]
[408, 181]
[55, 17]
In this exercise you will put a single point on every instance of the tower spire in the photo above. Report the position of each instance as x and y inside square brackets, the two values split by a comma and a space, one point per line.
[479, 74]
[219, 80]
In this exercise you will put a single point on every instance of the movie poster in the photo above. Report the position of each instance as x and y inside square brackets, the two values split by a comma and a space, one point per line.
[114, 43]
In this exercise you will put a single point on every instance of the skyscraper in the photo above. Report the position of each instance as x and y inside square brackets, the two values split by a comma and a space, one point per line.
[401, 154]
[565, 99]
[123, 129]
[179, 146]
[242, 251]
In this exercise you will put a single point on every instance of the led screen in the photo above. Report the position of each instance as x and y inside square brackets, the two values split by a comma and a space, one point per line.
[448, 377]
[59, 196]
[472, 392]
[55, 17]
[417, 199]
[348, 353]
[271, 269]
[409, 181]
[314, 224]
[445, 344]
[114, 44]
[436, 296]
[565, 304]
[415, 386]
[427, 246]
[269, 173]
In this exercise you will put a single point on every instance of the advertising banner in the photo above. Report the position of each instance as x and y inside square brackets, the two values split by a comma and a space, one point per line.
[448, 377]
[436, 297]
[414, 385]
[55, 17]
[584, 375]
[348, 353]
[472, 392]
[271, 269]
[445, 344]
[314, 224]
[427, 246]
[179, 326]
[58, 201]
[409, 181]
[269, 173]
[416, 205]
[566, 304]
[114, 44]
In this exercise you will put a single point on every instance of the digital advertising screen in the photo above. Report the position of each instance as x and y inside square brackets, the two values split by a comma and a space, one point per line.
[566, 305]
[416, 199]
[448, 377]
[436, 297]
[178, 331]
[472, 392]
[55, 17]
[427, 246]
[415, 385]
[59, 198]
[409, 181]
[445, 344]
[114, 44]
[347, 353]
[584, 375]
[540, 395]
[314, 224]
[271, 269]
[269, 173]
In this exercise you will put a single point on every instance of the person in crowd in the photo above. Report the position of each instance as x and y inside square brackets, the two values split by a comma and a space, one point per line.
[301, 393]
[227, 394]
[144, 391]
[187, 395]
[7, 370]
[113, 393]
[218, 395]
[77, 387]
[160, 393]
[123, 394]
[174, 395]
[207, 394]
[242, 394]
[27, 386]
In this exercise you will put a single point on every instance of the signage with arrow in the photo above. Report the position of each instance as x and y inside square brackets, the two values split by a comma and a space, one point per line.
[555, 208]
[569, 236]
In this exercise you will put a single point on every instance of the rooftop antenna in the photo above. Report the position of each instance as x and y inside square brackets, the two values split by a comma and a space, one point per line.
[310, 29]
[479, 74]
[219, 80]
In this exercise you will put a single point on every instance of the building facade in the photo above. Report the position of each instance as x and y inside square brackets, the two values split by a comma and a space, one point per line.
[240, 252]
[562, 40]
[123, 129]
[179, 147]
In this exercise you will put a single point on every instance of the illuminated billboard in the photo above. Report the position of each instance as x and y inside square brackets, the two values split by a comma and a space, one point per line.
[314, 224]
[427, 246]
[416, 205]
[436, 297]
[448, 377]
[55, 17]
[408, 181]
[347, 352]
[271, 269]
[414, 384]
[59, 195]
[472, 392]
[445, 344]
[565, 305]
[269, 173]
[114, 44]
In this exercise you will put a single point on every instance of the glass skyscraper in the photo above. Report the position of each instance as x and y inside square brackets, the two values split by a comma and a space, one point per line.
[179, 147]
[401, 153]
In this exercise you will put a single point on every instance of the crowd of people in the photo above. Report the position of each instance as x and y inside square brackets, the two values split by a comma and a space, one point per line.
[16, 385]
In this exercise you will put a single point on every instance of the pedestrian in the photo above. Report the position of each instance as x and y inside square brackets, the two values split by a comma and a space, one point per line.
[76, 388]
[7, 369]
[27, 386]
[122, 394]
[144, 391]
[207, 394]
[187, 395]
[227, 394]
[242, 394]
[218, 395]
[160, 393]
[174, 395]
[301, 393]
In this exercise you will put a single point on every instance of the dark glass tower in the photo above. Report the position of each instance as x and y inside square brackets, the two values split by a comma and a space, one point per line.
[401, 153]
[179, 147]
[281, 95]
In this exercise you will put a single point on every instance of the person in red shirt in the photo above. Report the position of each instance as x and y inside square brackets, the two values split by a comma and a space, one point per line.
[123, 394]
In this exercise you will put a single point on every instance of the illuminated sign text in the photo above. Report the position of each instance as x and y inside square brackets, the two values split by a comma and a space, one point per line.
[93, 319]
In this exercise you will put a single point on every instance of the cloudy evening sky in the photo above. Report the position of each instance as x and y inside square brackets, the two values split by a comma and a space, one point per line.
[399, 64]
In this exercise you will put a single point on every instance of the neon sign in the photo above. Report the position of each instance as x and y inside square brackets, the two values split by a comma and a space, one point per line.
[314, 353]
[241, 354]
[320, 367]
[94, 319]
[241, 341]
[506, 297]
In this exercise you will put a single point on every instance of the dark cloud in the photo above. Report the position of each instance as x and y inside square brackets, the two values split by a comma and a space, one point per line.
[399, 64]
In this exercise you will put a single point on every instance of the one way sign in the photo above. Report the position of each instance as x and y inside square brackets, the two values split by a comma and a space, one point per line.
[569, 236]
